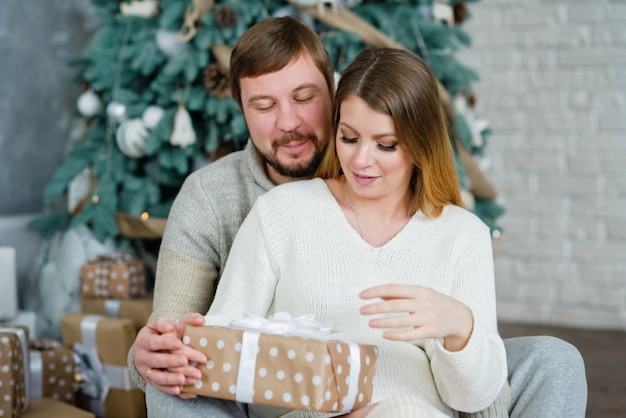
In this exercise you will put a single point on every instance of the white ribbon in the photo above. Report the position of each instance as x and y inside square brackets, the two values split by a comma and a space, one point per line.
[353, 383]
[282, 323]
[98, 378]
[36, 374]
[112, 307]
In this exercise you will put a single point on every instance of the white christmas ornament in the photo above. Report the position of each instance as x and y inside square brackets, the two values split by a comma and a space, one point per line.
[89, 104]
[183, 133]
[131, 138]
[116, 112]
[152, 115]
[442, 10]
[168, 42]
[143, 8]
[334, 4]
[79, 189]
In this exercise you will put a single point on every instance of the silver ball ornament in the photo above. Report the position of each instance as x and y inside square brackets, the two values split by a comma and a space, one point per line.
[152, 115]
[116, 112]
[89, 104]
[131, 138]
[169, 43]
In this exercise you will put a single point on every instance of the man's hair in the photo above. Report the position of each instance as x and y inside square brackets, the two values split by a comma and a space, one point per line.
[400, 84]
[271, 44]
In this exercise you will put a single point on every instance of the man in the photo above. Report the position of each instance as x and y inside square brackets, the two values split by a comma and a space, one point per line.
[282, 78]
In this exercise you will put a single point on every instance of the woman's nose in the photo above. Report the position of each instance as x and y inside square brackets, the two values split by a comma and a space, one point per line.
[363, 156]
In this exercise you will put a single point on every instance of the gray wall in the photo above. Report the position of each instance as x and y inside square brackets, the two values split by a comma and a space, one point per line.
[37, 102]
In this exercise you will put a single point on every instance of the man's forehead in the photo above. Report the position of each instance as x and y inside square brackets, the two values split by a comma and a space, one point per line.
[299, 75]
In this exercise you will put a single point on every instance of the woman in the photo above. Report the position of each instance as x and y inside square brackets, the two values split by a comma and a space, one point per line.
[379, 248]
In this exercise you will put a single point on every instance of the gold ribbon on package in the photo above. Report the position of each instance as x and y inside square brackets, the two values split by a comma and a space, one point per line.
[97, 378]
[283, 361]
[14, 375]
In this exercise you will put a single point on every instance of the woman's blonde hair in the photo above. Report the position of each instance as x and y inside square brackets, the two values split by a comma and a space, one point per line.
[400, 84]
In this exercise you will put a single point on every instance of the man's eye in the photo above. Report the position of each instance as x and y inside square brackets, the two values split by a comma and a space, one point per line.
[303, 99]
[348, 140]
[263, 107]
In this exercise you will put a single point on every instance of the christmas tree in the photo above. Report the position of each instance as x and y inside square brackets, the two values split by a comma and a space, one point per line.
[156, 103]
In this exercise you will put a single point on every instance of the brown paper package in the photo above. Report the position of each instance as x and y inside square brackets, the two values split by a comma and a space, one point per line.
[49, 408]
[290, 372]
[114, 337]
[137, 310]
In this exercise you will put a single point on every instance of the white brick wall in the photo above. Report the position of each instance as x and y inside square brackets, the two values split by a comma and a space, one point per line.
[553, 87]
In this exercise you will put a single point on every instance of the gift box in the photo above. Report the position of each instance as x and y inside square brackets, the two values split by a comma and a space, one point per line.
[101, 344]
[8, 283]
[113, 276]
[51, 371]
[14, 377]
[137, 310]
[282, 370]
[50, 408]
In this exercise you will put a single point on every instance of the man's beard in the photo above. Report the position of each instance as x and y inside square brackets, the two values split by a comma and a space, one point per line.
[301, 170]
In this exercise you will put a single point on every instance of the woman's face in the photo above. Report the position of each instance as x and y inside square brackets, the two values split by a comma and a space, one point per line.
[375, 166]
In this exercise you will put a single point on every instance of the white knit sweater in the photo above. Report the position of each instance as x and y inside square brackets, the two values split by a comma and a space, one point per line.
[296, 252]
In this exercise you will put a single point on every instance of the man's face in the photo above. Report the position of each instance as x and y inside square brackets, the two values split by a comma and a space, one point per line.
[288, 117]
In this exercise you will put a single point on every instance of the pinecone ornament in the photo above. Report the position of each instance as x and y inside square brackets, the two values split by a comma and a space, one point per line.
[225, 17]
[459, 10]
[216, 81]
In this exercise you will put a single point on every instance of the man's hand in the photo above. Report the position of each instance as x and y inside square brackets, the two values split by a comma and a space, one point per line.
[161, 357]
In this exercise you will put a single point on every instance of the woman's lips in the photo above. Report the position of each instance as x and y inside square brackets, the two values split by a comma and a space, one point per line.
[363, 180]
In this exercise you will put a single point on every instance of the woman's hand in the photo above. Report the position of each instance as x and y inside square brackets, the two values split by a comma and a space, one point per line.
[424, 311]
[161, 357]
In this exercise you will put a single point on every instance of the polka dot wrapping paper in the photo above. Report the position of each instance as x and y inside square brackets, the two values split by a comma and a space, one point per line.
[14, 377]
[51, 371]
[285, 371]
[119, 275]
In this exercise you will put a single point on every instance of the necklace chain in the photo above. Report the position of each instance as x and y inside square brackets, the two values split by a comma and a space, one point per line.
[345, 188]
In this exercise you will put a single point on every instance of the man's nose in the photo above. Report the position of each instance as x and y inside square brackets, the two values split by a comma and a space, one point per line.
[288, 118]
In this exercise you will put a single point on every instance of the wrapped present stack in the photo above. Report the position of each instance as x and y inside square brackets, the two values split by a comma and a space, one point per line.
[298, 370]
[101, 344]
[114, 306]
[24, 391]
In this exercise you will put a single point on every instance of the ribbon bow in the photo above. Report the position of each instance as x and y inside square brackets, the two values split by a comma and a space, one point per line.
[282, 323]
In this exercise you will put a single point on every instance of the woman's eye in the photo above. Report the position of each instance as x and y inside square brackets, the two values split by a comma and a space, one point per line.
[348, 140]
[387, 147]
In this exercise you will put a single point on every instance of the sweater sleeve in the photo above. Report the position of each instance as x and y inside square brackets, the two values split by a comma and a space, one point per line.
[188, 261]
[248, 282]
[469, 380]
